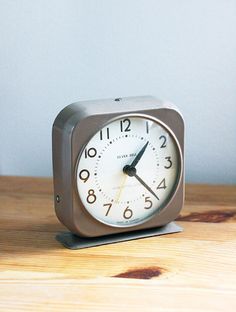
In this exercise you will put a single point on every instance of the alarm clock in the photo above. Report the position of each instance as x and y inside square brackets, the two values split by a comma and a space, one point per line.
[118, 165]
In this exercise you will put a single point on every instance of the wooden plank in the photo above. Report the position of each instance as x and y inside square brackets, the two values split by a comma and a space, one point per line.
[24, 185]
[190, 271]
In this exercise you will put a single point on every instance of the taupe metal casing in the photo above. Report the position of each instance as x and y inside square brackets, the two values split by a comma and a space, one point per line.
[74, 126]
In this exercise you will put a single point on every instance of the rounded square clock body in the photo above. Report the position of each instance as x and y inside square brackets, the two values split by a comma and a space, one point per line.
[118, 165]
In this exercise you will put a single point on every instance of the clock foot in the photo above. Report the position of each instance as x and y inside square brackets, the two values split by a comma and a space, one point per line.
[71, 241]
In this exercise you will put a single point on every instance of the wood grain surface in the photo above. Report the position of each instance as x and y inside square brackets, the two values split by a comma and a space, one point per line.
[190, 271]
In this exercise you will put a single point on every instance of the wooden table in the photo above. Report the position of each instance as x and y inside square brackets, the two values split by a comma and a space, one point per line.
[190, 271]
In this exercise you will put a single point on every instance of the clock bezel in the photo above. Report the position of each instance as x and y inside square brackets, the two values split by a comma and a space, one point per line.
[164, 205]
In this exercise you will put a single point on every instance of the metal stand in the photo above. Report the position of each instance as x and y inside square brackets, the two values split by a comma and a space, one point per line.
[71, 241]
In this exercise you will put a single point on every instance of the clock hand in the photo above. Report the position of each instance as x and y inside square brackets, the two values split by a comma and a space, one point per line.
[145, 185]
[139, 155]
[133, 164]
[131, 171]
[117, 197]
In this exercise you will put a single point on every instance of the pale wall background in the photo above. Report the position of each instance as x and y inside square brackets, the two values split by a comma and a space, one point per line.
[56, 52]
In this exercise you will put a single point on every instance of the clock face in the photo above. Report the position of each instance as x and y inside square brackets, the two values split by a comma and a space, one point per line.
[128, 171]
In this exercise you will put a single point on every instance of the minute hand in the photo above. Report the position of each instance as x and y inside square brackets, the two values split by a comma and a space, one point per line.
[145, 185]
[139, 155]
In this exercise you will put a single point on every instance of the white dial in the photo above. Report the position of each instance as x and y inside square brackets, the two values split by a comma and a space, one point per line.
[128, 171]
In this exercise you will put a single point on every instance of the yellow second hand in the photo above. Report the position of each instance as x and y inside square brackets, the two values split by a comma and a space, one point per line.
[121, 189]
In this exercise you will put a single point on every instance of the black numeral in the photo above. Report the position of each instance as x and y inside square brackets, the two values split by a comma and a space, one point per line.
[163, 138]
[84, 175]
[107, 134]
[109, 207]
[91, 152]
[149, 203]
[125, 125]
[91, 198]
[169, 161]
[162, 184]
[147, 127]
[128, 213]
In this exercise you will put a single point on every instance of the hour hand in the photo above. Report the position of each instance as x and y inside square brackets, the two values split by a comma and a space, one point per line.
[139, 155]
